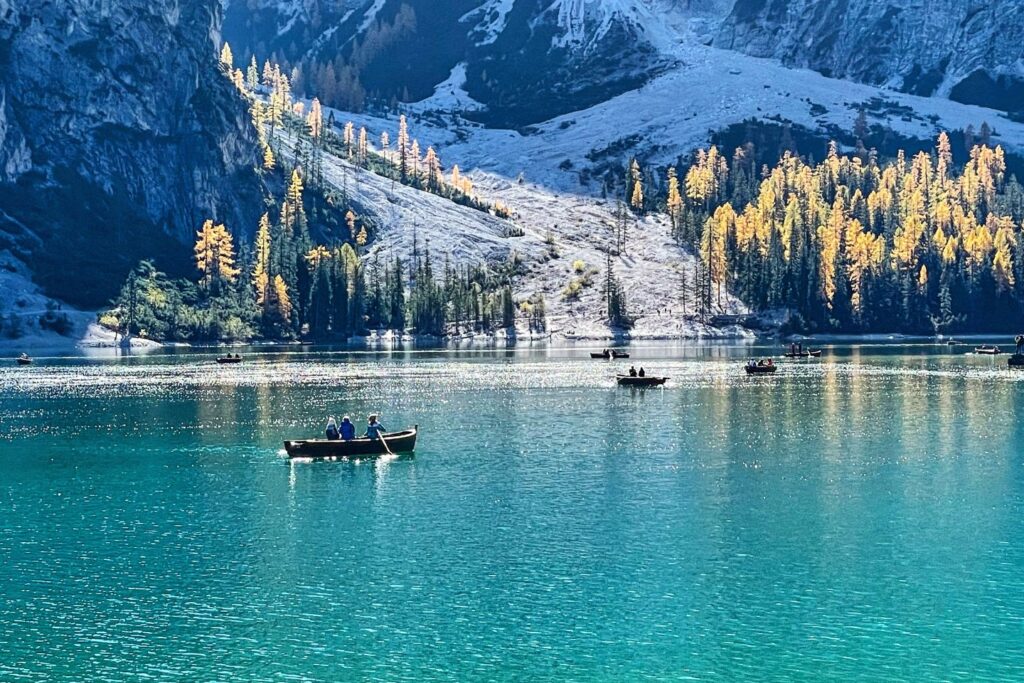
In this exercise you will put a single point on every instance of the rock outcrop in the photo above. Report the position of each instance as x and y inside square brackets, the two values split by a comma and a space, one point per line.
[119, 135]
[527, 60]
[968, 50]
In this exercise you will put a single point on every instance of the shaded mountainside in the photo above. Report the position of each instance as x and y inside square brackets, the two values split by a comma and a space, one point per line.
[968, 50]
[118, 136]
[525, 60]
[530, 60]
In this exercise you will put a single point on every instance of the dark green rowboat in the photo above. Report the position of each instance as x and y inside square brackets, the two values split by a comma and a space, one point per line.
[398, 442]
[647, 381]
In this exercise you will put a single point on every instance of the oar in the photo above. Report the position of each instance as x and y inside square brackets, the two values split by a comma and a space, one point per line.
[384, 441]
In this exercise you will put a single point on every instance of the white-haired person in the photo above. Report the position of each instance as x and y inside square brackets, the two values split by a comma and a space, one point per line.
[332, 430]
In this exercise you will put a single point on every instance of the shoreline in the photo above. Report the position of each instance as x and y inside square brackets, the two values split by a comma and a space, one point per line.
[91, 339]
[55, 346]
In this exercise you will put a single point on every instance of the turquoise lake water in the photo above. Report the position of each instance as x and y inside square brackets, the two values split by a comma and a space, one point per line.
[857, 518]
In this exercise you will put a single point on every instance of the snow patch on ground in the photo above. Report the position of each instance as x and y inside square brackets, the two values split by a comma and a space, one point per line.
[537, 173]
[651, 270]
[24, 300]
[492, 17]
[450, 95]
[675, 113]
[371, 14]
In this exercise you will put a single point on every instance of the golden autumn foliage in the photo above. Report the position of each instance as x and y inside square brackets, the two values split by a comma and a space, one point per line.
[859, 233]
[261, 266]
[215, 254]
[226, 58]
[282, 301]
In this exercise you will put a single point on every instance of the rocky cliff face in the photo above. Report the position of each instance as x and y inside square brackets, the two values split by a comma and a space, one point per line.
[118, 136]
[526, 60]
[969, 50]
[547, 56]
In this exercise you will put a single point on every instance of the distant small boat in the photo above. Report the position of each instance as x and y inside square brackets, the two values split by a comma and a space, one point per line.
[606, 355]
[951, 342]
[23, 360]
[1016, 360]
[224, 360]
[645, 381]
[397, 442]
[812, 353]
[988, 350]
[761, 368]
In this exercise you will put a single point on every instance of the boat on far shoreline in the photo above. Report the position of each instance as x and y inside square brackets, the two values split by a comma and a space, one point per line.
[608, 354]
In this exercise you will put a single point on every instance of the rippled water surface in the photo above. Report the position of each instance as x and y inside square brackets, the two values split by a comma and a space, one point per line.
[860, 517]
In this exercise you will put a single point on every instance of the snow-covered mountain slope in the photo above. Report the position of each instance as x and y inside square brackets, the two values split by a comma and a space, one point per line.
[549, 232]
[970, 51]
[529, 60]
[676, 112]
[542, 173]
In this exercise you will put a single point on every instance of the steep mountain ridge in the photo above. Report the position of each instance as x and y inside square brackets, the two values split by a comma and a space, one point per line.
[118, 136]
[529, 60]
[971, 51]
[526, 60]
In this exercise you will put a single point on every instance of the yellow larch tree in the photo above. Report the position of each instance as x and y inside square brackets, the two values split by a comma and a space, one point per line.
[316, 256]
[215, 254]
[252, 74]
[292, 209]
[636, 197]
[315, 119]
[227, 59]
[674, 201]
[433, 165]
[414, 155]
[1004, 245]
[282, 301]
[348, 138]
[261, 267]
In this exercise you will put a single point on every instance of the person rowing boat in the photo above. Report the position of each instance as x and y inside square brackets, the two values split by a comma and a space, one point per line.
[374, 429]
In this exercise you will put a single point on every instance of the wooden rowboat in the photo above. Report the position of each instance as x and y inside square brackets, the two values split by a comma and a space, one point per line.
[608, 356]
[398, 442]
[809, 353]
[224, 360]
[760, 369]
[647, 381]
